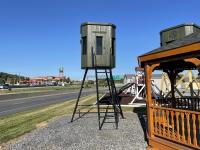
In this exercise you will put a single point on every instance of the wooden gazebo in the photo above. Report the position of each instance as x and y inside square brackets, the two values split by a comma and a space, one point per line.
[173, 123]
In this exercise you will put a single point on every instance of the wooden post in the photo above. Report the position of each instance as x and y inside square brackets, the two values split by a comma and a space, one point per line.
[172, 77]
[149, 100]
[190, 76]
[173, 82]
[196, 62]
[148, 74]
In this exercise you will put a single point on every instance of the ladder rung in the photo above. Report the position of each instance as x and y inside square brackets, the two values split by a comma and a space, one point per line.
[83, 112]
[107, 112]
[109, 116]
[109, 122]
[111, 106]
[85, 105]
[101, 72]
[106, 108]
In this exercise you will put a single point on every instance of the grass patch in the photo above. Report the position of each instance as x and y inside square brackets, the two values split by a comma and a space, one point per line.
[14, 125]
[39, 89]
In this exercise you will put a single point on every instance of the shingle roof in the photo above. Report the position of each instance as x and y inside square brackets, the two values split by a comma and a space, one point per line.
[190, 39]
[181, 25]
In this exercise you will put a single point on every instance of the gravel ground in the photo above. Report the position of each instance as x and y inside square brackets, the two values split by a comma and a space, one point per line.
[83, 134]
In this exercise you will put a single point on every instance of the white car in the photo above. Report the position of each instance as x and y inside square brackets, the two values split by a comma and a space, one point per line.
[5, 86]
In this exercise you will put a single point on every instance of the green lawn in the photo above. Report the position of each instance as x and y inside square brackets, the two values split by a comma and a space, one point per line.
[12, 126]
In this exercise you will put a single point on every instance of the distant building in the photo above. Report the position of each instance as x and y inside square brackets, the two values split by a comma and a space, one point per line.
[129, 78]
[61, 72]
[47, 80]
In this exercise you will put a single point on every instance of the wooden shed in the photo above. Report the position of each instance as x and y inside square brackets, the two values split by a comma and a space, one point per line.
[173, 123]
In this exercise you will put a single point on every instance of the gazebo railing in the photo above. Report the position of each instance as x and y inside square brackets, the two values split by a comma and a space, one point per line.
[180, 126]
[186, 103]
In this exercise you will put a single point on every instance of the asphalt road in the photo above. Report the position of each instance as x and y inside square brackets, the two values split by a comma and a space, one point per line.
[13, 103]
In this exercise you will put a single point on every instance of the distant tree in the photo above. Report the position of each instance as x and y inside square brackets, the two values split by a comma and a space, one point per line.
[12, 81]
[68, 80]
[119, 81]
[2, 81]
[90, 82]
[10, 78]
[102, 82]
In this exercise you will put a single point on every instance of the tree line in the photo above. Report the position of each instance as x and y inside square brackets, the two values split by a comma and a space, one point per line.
[11, 79]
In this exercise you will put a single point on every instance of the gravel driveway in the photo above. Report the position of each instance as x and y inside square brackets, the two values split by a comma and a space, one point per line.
[83, 134]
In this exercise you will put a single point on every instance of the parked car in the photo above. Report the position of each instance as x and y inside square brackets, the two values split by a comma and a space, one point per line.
[5, 86]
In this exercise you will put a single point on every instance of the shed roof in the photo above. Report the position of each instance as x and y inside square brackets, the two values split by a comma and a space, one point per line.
[190, 39]
[181, 25]
[173, 51]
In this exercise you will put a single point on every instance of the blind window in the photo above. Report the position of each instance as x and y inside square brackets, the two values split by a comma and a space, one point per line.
[84, 45]
[99, 45]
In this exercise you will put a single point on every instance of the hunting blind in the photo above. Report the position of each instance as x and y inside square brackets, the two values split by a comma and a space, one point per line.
[98, 53]
[97, 45]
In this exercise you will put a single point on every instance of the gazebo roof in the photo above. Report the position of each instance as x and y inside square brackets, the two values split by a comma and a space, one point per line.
[192, 38]
[182, 47]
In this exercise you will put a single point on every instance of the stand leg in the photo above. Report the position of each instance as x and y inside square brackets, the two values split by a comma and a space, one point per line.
[117, 98]
[79, 95]
[108, 81]
[97, 91]
[114, 101]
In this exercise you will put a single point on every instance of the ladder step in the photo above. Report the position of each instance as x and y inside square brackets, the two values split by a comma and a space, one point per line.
[107, 103]
[84, 112]
[85, 105]
[109, 116]
[106, 108]
[106, 112]
[109, 108]
[109, 122]
[94, 112]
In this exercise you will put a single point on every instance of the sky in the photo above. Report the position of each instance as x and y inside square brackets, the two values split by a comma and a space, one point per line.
[39, 36]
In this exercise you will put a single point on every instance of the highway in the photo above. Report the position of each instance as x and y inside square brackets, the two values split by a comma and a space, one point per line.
[13, 103]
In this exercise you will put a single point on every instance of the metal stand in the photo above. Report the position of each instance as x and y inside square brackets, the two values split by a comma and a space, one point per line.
[103, 107]
[79, 95]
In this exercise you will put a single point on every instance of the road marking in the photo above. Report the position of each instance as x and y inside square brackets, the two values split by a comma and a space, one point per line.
[3, 101]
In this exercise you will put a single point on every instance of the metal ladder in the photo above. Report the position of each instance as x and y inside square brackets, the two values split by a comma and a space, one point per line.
[104, 107]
